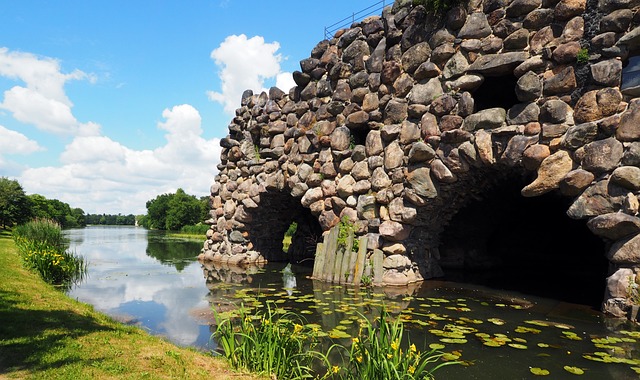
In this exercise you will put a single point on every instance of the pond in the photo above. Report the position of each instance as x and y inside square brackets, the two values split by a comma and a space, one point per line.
[145, 278]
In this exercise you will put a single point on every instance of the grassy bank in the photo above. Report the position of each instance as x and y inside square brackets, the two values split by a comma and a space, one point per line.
[46, 335]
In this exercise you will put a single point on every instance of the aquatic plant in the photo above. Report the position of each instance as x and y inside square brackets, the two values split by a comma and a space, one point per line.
[43, 249]
[270, 342]
[376, 353]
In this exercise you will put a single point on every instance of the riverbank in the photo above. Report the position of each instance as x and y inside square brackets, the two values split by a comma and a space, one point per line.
[45, 334]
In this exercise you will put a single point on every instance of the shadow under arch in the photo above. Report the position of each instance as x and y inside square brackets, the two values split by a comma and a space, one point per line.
[506, 241]
[270, 221]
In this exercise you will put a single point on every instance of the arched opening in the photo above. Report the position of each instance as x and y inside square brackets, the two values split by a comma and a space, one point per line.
[271, 221]
[496, 92]
[530, 245]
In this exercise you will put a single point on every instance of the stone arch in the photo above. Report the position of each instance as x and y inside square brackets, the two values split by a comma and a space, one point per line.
[382, 128]
[506, 241]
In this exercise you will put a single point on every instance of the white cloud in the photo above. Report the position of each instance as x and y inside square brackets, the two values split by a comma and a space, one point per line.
[101, 175]
[284, 81]
[42, 101]
[12, 142]
[245, 63]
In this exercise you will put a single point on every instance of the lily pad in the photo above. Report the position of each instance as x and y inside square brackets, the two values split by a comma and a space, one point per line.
[518, 346]
[539, 371]
[436, 346]
[453, 340]
[574, 370]
[496, 321]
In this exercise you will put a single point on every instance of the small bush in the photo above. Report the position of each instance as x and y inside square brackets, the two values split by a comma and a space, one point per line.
[43, 249]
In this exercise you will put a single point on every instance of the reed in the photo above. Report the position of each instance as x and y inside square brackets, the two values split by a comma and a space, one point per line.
[44, 249]
[376, 353]
[271, 342]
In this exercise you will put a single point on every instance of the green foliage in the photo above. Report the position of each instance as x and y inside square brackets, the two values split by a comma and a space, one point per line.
[288, 235]
[346, 228]
[257, 152]
[583, 55]
[175, 210]
[376, 354]
[43, 249]
[14, 206]
[271, 342]
[44, 208]
[278, 343]
[195, 229]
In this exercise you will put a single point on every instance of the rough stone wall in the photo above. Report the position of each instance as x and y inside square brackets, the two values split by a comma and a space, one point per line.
[399, 120]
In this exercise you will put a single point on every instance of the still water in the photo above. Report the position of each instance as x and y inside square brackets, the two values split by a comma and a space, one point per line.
[144, 278]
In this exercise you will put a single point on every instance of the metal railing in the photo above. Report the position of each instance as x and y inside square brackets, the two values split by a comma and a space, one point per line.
[376, 8]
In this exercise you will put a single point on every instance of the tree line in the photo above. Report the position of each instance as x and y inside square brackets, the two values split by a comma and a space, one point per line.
[171, 211]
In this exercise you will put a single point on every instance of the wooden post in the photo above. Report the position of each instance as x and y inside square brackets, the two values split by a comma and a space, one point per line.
[318, 263]
[359, 261]
[330, 255]
[377, 258]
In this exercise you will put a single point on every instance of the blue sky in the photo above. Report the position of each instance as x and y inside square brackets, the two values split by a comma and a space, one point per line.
[106, 104]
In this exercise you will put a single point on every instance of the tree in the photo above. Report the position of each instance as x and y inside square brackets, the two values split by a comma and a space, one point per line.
[184, 209]
[174, 211]
[157, 209]
[14, 204]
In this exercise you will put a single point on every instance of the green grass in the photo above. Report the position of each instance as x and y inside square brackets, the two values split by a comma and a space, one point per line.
[46, 335]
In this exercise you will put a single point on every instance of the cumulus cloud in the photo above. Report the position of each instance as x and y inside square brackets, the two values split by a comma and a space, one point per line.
[245, 63]
[100, 174]
[41, 100]
[12, 142]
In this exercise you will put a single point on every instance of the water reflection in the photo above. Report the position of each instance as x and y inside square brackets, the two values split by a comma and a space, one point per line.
[125, 282]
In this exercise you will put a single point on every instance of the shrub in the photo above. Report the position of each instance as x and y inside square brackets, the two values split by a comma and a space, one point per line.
[43, 249]
[195, 229]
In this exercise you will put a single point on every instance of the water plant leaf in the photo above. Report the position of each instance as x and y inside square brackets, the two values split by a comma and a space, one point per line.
[518, 346]
[636, 369]
[633, 334]
[453, 340]
[574, 370]
[539, 371]
[436, 346]
[496, 321]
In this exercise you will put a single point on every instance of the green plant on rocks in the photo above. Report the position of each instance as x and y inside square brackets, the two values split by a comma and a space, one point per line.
[345, 228]
[582, 56]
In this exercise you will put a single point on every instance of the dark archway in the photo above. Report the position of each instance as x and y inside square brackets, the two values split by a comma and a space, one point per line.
[270, 222]
[496, 92]
[507, 241]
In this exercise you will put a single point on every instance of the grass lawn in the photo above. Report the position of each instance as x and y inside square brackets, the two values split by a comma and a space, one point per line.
[46, 335]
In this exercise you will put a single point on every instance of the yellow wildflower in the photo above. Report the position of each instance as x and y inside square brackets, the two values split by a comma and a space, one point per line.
[395, 345]
[297, 328]
[412, 369]
[355, 340]
[359, 359]
[412, 348]
[335, 369]
[389, 356]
